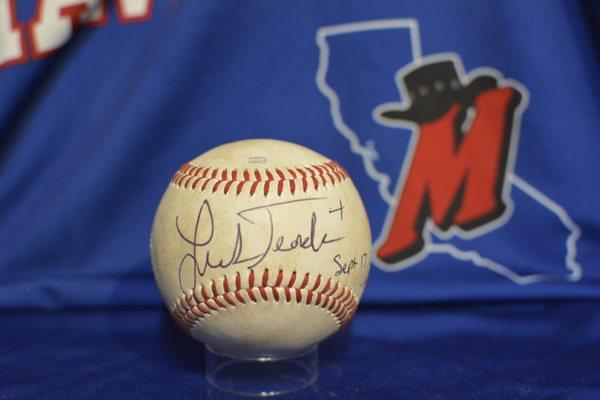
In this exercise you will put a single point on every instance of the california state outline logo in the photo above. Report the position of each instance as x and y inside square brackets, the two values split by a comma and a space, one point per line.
[452, 138]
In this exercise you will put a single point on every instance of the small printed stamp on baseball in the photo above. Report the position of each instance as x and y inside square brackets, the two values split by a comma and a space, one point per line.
[257, 160]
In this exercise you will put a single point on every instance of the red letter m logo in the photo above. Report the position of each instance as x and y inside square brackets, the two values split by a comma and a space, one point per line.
[457, 172]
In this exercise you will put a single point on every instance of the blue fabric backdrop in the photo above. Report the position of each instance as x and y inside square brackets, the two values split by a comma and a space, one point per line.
[91, 133]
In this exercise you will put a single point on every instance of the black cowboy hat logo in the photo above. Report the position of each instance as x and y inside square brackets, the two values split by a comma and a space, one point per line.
[432, 89]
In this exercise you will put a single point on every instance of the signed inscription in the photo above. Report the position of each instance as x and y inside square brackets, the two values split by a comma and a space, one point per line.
[350, 265]
[200, 256]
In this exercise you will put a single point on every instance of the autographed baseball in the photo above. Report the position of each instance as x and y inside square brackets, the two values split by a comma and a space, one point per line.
[261, 248]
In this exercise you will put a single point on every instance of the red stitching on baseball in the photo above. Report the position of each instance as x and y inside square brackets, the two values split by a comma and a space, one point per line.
[204, 178]
[195, 306]
[251, 294]
[279, 278]
[305, 281]
[228, 299]
[251, 278]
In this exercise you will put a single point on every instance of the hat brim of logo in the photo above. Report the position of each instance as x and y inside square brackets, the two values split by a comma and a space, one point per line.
[401, 115]
[421, 111]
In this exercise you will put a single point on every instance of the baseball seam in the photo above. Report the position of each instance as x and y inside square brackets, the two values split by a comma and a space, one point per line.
[207, 178]
[333, 297]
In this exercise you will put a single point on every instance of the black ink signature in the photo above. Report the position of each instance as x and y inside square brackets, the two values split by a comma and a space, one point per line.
[200, 257]
[347, 267]
[340, 209]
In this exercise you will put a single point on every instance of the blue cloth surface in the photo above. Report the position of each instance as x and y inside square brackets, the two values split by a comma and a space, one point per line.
[490, 351]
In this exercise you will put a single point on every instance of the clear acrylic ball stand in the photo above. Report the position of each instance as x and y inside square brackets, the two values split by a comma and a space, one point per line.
[263, 376]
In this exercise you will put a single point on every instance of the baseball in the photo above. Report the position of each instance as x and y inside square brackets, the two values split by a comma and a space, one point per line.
[261, 248]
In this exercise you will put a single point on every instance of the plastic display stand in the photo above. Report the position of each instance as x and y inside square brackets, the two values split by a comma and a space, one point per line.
[263, 376]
